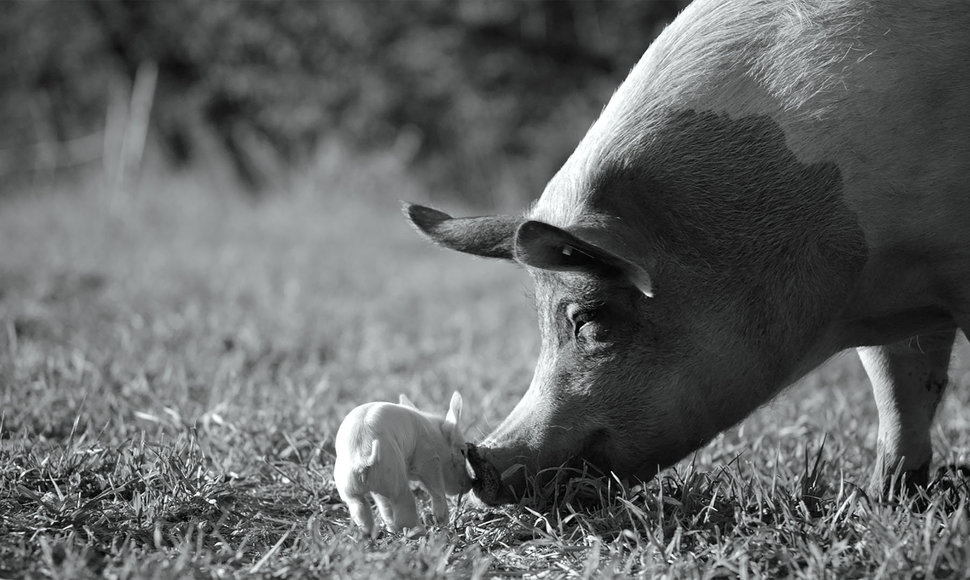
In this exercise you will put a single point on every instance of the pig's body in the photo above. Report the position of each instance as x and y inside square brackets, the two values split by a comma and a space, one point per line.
[774, 182]
[381, 447]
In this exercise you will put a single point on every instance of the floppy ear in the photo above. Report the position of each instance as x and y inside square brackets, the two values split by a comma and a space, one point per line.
[488, 236]
[404, 401]
[450, 426]
[548, 247]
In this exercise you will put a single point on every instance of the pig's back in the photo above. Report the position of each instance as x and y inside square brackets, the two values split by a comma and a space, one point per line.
[398, 429]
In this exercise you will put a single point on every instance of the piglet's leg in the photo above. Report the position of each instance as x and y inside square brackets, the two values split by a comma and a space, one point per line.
[436, 489]
[361, 513]
[386, 507]
[398, 512]
[439, 505]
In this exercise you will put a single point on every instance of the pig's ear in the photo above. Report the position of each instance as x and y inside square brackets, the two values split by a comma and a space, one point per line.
[404, 401]
[548, 247]
[488, 236]
[450, 426]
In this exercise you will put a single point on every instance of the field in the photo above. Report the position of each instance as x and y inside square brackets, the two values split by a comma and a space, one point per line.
[174, 365]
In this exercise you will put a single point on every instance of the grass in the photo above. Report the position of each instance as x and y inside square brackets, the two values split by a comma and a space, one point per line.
[173, 368]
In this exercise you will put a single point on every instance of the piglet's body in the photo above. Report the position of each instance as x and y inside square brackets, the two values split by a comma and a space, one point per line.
[381, 447]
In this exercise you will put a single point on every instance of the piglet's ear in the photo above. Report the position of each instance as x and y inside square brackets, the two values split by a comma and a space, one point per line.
[404, 401]
[450, 426]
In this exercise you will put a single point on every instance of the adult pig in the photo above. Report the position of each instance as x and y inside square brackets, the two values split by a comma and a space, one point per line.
[774, 182]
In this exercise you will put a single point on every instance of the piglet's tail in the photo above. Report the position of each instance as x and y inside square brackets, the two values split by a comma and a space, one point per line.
[369, 461]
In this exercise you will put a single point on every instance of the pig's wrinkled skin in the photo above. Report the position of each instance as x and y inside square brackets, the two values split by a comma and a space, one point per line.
[381, 447]
[774, 182]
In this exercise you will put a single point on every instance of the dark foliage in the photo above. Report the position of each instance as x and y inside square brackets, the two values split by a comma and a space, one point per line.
[477, 95]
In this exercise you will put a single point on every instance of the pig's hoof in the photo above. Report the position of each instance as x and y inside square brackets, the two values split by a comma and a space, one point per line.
[951, 479]
[359, 534]
[415, 532]
[429, 521]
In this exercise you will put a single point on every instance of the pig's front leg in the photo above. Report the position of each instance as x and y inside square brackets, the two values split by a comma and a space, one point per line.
[439, 505]
[398, 512]
[908, 380]
[361, 513]
[435, 484]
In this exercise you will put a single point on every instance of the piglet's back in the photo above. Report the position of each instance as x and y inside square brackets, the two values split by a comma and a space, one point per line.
[398, 428]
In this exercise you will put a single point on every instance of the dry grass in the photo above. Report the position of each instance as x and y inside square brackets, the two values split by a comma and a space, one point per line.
[173, 370]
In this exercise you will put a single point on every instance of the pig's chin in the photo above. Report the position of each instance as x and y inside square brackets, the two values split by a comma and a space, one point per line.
[597, 456]
[605, 456]
[597, 453]
[493, 486]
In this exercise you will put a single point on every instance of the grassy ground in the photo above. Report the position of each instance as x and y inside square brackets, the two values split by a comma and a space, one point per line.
[173, 369]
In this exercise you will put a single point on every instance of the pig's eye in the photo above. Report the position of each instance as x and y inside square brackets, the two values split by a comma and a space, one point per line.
[587, 325]
[584, 323]
[581, 320]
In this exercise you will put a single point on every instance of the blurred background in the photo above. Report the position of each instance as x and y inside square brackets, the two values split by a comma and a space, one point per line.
[199, 200]
[199, 203]
[201, 252]
[204, 268]
[480, 101]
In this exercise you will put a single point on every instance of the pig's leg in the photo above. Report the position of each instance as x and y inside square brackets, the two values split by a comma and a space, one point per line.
[386, 507]
[399, 511]
[908, 380]
[389, 484]
[439, 503]
[429, 474]
[361, 513]
[406, 510]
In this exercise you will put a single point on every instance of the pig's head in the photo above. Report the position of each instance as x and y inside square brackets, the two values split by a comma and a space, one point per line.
[674, 295]
[609, 386]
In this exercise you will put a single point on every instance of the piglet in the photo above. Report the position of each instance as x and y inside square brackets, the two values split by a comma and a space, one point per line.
[382, 446]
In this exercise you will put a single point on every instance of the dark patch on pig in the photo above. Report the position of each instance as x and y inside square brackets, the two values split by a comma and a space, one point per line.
[742, 222]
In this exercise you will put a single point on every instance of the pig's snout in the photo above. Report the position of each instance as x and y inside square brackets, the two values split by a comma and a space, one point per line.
[488, 483]
[505, 469]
